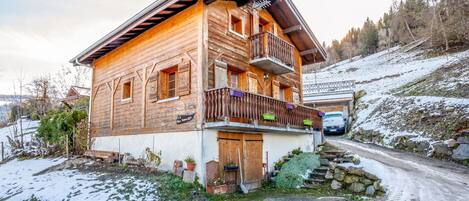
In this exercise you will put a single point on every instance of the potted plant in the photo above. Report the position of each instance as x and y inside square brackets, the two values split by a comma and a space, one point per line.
[217, 186]
[190, 162]
[308, 122]
[231, 166]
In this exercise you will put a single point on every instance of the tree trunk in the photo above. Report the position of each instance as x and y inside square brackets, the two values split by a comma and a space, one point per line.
[408, 29]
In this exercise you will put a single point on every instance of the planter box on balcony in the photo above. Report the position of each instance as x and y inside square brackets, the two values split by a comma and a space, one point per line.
[269, 117]
[290, 106]
[308, 122]
[236, 93]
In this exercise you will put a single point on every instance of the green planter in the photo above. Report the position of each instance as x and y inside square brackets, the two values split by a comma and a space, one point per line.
[308, 122]
[268, 117]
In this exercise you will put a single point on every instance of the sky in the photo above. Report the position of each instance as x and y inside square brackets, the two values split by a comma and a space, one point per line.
[40, 37]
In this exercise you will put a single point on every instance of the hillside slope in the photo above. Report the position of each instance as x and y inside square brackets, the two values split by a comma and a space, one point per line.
[408, 100]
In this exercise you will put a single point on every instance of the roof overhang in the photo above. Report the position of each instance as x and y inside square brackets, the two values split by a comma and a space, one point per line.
[284, 12]
[149, 17]
[289, 18]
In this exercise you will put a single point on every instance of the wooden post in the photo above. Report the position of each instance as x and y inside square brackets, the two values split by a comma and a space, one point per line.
[113, 90]
[144, 79]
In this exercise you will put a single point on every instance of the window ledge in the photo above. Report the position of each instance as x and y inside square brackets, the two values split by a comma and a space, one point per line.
[168, 99]
[126, 101]
[244, 37]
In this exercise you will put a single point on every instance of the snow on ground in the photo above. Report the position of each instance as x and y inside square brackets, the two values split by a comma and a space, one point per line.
[381, 74]
[18, 181]
[29, 130]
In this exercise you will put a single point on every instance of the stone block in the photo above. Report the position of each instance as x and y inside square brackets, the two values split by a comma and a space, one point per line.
[462, 152]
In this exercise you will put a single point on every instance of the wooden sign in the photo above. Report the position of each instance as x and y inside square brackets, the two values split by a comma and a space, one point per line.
[184, 118]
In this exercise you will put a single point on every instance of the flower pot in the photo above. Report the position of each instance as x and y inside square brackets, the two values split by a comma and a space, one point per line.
[269, 117]
[191, 166]
[308, 122]
[290, 106]
[236, 93]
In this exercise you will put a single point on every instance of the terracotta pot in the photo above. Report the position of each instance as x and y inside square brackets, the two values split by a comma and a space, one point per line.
[191, 166]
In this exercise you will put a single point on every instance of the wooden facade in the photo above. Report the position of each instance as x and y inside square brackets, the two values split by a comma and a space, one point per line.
[199, 49]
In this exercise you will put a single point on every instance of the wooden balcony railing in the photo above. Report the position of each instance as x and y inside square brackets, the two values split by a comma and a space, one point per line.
[266, 45]
[226, 104]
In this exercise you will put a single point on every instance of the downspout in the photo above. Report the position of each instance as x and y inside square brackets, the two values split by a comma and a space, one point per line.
[77, 63]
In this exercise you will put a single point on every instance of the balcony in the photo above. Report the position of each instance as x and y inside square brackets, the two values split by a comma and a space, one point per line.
[271, 53]
[231, 109]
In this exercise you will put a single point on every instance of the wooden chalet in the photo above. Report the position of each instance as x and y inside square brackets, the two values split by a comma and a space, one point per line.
[205, 79]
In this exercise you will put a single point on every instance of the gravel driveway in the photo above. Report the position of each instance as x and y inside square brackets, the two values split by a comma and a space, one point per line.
[410, 177]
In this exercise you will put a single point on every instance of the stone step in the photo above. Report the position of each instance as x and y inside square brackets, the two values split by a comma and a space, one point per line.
[327, 156]
[324, 162]
[322, 169]
[317, 174]
[334, 152]
[315, 181]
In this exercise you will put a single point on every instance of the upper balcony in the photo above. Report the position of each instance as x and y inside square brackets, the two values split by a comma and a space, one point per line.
[231, 109]
[271, 53]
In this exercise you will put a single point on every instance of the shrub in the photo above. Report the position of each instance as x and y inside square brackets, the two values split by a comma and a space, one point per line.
[294, 172]
[57, 126]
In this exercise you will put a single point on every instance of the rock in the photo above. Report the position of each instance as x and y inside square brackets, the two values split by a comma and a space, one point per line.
[356, 159]
[356, 171]
[332, 165]
[339, 175]
[462, 152]
[451, 143]
[357, 187]
[335, 185]
[348, 179]
[371, 176]
[441, 150]
[366, 181]
[329, 175]
[377, 186]
[463, 140]
[370, 190]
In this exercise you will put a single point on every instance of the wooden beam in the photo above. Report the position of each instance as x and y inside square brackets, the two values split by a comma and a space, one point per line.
[310, 51]
[292, 29]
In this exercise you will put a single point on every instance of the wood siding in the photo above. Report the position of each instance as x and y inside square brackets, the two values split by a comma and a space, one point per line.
[171, 43]
[234, 49]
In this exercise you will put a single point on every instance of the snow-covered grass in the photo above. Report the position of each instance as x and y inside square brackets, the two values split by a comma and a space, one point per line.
[391, 114]
[19, 181]
[29, 130]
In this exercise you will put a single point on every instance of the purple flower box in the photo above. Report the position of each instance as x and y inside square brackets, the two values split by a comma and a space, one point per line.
[321, 114]
[290, 106]
[236, 93]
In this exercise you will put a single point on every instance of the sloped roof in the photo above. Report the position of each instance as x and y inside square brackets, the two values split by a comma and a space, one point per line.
[284, 12]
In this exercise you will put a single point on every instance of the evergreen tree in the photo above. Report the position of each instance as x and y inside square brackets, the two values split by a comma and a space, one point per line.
[368, 37]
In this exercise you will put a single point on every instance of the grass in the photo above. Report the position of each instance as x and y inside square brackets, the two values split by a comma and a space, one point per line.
[269, 191]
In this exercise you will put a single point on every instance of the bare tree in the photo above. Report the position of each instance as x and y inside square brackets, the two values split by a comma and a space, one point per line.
[18, 100]
[43, 92]
[69, 76]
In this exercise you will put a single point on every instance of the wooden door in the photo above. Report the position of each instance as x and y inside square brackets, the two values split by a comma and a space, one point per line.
[250, 148]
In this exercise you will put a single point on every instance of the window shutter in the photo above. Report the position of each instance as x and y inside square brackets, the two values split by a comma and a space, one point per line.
[275, 89]
[153, 87]
[184, 78]
[221, 74]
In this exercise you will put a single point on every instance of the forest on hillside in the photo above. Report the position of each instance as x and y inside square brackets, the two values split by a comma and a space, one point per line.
[442, 25]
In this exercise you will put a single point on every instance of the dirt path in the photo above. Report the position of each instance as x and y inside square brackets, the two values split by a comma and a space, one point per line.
[407, 176]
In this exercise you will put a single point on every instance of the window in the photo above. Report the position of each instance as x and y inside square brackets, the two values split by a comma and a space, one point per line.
[237, 25]
[263, 25]
[234, 79]
[172, 85]
[168, 83]
[127, 90]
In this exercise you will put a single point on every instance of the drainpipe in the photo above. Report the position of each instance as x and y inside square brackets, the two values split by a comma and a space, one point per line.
[77, 63]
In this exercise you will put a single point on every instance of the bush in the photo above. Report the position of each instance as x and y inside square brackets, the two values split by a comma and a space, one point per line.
[294, 172]
[57, 126]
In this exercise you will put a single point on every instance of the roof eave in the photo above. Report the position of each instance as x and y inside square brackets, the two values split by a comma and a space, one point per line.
[129, 24]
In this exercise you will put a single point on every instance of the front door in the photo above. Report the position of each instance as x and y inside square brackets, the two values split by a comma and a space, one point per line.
[250, 150]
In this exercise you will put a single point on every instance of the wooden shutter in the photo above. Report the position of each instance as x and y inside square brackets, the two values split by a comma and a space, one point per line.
[275, 89]
[184, 78]
[153, 87]
[221, 74]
